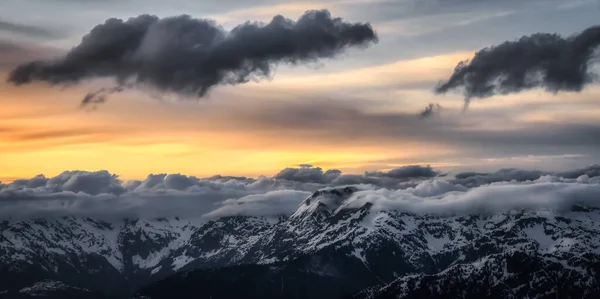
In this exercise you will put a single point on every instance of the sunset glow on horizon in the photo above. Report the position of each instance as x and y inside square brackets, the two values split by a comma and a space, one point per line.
[357, 112]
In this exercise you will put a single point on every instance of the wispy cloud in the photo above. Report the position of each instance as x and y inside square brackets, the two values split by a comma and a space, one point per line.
[423, 25]
[28, 30]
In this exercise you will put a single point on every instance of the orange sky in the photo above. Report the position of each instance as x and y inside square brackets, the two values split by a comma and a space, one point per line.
[354, 113]
[43, 131]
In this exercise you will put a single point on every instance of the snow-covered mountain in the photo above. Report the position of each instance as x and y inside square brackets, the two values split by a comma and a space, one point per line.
[375, 253]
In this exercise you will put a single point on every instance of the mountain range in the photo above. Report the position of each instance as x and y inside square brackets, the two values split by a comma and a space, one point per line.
[325, 249]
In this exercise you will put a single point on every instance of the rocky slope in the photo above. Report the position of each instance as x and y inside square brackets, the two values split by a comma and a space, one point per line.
[375, 254]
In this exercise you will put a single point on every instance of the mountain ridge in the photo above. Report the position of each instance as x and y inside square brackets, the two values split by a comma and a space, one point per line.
[382, 247]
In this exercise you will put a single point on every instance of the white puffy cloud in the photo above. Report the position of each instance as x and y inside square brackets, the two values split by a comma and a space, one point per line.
[101, 194]
[402, 177]
[488, 199]
[308, 174]
[435, 187]
[92, 183]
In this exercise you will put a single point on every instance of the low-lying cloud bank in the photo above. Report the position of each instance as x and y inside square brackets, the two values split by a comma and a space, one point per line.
[489, 199]
[416, 189]
[401, 177]
[474, 179]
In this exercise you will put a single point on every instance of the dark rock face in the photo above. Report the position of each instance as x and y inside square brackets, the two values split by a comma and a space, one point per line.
[509, 275]
[309, 277]
[323, 250]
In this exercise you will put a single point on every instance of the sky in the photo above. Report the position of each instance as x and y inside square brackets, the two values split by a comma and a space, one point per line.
[355, 110]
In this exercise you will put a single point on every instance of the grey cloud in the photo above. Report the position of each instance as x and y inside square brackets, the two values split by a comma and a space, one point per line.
[95, 98]
[92, 183]
[35, 182]
[403, 177]
[381, 182]
[8, 47]
[226, 178]
[34, 31]
[179, 181]
[349, 122]
[101, 194]
[190, 56]
[407, 172]
[473, 179]
[430, 110]
[468, 174]
[489, 199]
[430, 197]
[435, 187]
[308, 174]
[13, 52]
[590, 171]
[544, 60]
[274, 203]
[75, 184]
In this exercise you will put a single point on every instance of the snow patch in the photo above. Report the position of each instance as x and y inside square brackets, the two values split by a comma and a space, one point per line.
[434, 243]
[155, 270]
[181, 261]
[537, 234]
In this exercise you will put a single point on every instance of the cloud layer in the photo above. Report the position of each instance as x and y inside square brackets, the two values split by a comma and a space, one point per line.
[190, 56]
[101, 194]
[544, 60]
[488, 199]
[475, 179]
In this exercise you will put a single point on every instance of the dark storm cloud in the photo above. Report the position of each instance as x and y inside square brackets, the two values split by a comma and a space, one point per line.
[544, 60]
[189, 56]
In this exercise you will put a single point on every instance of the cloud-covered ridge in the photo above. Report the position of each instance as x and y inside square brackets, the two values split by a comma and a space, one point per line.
[190, 56]
[541, 60]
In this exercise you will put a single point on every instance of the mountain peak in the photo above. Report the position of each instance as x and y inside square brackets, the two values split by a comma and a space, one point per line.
[325, 200]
